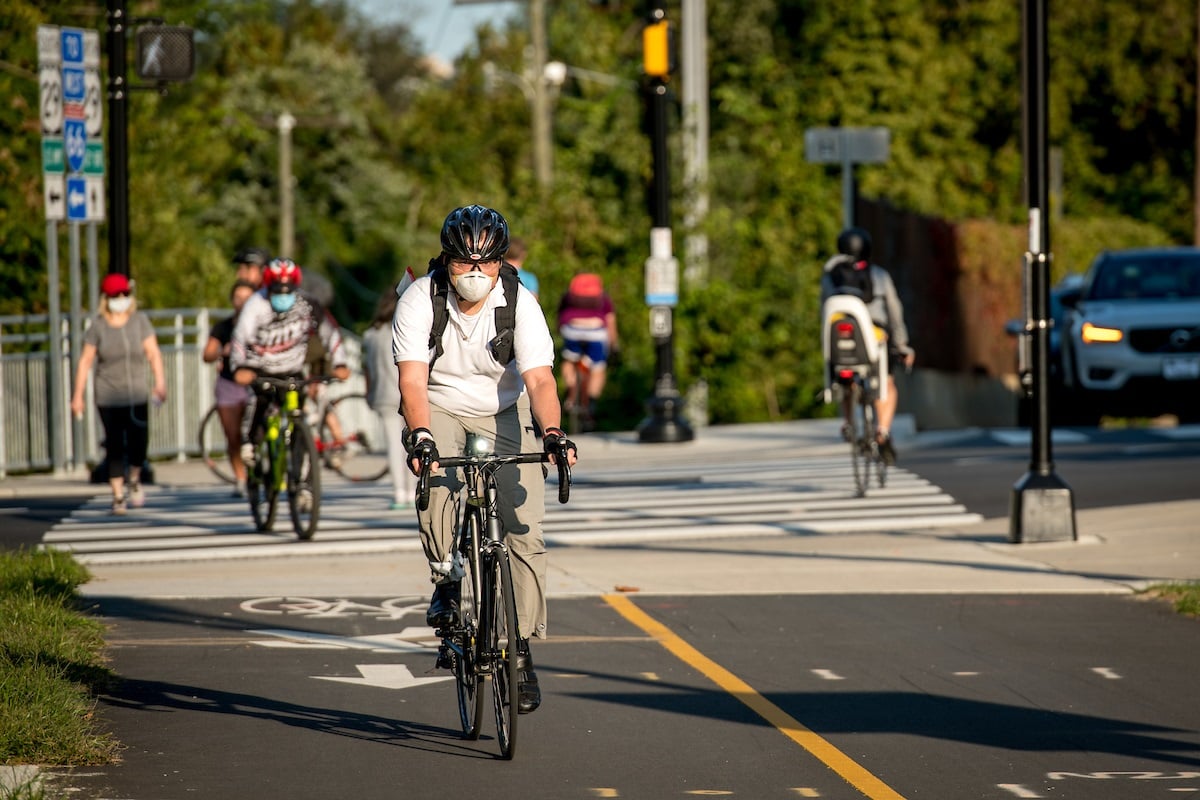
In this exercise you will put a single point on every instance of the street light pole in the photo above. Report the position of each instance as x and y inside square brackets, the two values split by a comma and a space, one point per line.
[1042, 508]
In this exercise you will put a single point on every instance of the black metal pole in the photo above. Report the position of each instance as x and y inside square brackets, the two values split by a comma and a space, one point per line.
[118, 140]
[1042, 507]
[664, 423]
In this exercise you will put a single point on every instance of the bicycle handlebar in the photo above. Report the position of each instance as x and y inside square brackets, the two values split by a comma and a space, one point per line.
[290, 382]
[492, 461]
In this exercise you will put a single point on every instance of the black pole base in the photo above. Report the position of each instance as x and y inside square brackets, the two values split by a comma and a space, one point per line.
[1041, 509]
[664, 423]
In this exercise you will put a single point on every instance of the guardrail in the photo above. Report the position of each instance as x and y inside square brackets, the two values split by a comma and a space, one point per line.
[25, 441]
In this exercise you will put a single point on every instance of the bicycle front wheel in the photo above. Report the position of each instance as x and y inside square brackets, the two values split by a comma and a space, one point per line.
[214, 448]
[303, 481]
[261, 488]
[468, 681]
[358, 452]
[504, 641]
[873, 443]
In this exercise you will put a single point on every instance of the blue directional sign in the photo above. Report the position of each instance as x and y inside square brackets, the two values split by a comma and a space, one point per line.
[72, 46]
[74, 86]
[75, 143]
[77, 199]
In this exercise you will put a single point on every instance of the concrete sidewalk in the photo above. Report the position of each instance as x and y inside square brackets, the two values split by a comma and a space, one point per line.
[1118, 549]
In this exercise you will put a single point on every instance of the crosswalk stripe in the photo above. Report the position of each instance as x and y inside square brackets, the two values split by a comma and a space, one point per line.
[677, 501]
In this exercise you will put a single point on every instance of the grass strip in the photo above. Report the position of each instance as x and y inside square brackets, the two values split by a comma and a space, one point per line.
[1185, 596]
[52, 664]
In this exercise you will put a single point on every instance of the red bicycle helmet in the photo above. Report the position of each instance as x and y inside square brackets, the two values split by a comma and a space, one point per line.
[282, 275]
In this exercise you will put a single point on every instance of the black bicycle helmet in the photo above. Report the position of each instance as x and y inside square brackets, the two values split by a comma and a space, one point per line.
[476, 233]
[252, 255]
[855, 242]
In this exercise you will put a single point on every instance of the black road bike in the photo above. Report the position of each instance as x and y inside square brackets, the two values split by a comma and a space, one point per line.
[484, 642]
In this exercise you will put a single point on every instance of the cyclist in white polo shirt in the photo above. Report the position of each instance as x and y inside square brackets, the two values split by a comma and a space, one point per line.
[471, 380]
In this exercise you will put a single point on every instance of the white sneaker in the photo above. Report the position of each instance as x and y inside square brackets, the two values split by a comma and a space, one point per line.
[137, 497]
[247, 453]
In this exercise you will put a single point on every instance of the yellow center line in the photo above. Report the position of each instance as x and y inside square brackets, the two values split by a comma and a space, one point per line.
[850, 770]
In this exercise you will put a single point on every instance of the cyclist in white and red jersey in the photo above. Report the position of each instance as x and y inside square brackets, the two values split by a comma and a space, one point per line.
[273, 329]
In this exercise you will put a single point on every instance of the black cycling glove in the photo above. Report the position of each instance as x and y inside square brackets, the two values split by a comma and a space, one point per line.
[419, 444]
[555, 442]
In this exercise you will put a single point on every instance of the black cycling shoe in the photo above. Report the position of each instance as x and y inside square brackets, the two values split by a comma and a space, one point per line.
[887, 452]
[529, 696]
[443, 608]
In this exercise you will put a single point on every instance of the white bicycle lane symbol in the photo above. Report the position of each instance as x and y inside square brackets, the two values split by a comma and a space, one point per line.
[315, 608]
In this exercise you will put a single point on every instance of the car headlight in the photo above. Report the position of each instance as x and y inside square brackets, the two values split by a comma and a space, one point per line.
[1094, 334]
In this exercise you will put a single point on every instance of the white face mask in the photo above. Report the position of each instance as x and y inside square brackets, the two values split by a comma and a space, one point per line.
[119, 305]
[472, 286]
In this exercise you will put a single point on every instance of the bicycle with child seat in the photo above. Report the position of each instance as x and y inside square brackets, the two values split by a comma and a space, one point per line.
[285, 457]
[856, 374]
[483, 643]
[359, 454]
[865, 456]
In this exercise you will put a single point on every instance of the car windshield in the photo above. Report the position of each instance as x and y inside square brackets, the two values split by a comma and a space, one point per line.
[1151, 277]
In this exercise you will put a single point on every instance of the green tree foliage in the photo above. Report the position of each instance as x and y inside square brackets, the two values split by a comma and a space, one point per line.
[384, 146]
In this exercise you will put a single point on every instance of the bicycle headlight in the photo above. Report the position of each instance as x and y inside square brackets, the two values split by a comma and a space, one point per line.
[478, 445]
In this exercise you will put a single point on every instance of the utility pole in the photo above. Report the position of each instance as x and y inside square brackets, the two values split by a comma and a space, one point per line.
[543, 153]
[665, 423]
[287, 237]
[1041, 508]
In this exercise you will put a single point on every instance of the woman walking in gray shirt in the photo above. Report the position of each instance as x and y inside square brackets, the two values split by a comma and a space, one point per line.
[120, 343]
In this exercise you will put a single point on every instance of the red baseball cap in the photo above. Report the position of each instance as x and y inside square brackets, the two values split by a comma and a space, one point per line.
[114, 284]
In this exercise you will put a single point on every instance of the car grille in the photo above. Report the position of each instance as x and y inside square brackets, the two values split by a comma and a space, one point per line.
[1165, 340]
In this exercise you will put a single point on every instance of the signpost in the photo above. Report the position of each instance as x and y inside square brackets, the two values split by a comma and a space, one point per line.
[847, 146]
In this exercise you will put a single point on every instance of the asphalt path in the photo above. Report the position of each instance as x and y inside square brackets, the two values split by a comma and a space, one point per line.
[921, 696]
[1103, 468]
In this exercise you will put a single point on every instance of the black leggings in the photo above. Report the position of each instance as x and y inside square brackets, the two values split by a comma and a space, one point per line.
[126, 437]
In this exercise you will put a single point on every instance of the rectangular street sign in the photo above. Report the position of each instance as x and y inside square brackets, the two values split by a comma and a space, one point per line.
[76, 199]
[72, 46]
[49, 46]
[93, 159]
[852, 145]
[54, 159]
[95, 198]
[56, 198]
[74, 92]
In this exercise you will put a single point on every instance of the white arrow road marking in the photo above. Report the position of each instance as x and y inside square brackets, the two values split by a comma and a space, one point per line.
[1018, 790]
[409, 640]
[386, 676]
[1107, 672]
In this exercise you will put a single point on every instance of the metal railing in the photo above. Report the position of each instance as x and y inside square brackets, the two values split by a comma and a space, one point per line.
[25, 433]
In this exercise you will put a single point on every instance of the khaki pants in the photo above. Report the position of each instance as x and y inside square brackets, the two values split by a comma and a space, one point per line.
[522, 504]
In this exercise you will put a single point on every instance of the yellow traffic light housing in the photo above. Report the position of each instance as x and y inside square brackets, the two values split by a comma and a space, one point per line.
[656, 49]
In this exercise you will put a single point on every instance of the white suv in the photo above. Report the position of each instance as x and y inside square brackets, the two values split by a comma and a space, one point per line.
[1132, 345]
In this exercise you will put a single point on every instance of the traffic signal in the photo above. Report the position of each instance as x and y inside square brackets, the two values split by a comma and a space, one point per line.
[166, 53]
[656, 49]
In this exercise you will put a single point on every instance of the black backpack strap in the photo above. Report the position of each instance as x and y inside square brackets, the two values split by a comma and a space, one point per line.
[439, 288]
[506, 316]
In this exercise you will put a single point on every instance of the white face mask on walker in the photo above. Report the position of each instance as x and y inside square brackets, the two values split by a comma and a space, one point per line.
[473, 286]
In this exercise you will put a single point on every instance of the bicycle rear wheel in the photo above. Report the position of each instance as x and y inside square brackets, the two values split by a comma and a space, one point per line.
[859, 457]
[468, 682]
[361, 453]
[261, 488]
[214, 448]
[504, 642]
[873, 444]
[303, 481]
